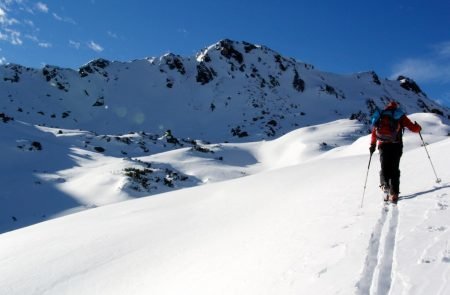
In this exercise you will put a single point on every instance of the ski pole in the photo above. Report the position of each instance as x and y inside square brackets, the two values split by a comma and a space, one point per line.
[438, 180]
[365, 183]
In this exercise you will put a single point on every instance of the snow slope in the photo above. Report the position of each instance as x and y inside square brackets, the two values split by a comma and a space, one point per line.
[77, 139]
[67, 174]
[295, 229]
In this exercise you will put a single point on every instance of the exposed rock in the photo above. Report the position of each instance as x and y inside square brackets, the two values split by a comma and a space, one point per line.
[279, 61]
[410, 85]
[248, 47]
[228, 51]
[99, 149]
[100, 63]
[97, 65]
[174, 62]
[99, 102]
[5, 118]
[85, 71]
[375, 78]
[204, 74]
[274, 81]
[49, 73]
[298, 83]
[238, 132]
[332, 91]
[16, 71]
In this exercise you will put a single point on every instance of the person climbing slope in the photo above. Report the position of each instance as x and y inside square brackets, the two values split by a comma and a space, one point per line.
[388, 126]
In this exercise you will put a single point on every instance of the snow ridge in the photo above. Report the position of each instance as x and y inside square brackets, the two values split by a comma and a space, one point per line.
[231, 91]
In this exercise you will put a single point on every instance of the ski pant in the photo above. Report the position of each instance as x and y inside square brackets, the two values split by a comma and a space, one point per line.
[390, 154]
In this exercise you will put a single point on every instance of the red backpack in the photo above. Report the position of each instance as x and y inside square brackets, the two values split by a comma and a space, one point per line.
[387, 125]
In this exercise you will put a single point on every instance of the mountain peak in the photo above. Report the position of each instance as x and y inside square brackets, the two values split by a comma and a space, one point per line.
[409, 84]
[235, 88]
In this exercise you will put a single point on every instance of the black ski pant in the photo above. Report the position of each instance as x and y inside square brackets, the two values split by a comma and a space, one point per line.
[390, 154]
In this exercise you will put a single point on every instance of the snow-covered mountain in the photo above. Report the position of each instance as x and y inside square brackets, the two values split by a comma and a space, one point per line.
[230, 91]
[180, 134]
[57, 122]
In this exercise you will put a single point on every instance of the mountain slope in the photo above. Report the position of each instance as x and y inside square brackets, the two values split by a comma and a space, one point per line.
[291, 230]
[77, 139]
[229, 91]
[49, 172]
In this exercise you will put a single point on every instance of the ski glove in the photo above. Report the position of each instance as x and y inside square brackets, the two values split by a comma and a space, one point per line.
[418, 126]
[372, 148]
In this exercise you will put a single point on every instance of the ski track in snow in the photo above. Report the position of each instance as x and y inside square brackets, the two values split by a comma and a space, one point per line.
[385, 273]
[376, 275]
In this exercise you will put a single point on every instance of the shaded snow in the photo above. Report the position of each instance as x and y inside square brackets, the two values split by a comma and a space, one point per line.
[282, 230]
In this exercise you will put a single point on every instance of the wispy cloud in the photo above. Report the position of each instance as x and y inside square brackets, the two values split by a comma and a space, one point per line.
[183, 31]
[2, 60]
[45, 44]
[435, 67]
[29, 23]
[94, 46]
[40, 43]
[63, 19]
[42, 7]
[74, 44]
[443, 49]
[112, 35]
[32, 38]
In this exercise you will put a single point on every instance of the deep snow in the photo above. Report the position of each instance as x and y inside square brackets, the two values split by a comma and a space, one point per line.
[259, 191]
[292, 226]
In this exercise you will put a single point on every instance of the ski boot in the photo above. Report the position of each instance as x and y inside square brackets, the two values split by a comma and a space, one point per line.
[393, 198]
[385, 188]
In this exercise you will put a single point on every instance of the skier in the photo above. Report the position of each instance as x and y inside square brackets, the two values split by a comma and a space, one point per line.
[388, 127]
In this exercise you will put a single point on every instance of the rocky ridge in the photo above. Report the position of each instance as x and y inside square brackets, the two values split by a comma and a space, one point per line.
[246, 91]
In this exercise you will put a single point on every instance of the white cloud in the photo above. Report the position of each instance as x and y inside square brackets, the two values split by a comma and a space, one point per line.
[5, 20]
[11, 36]
[74, 44]
[38, 42]
[432, 68]
[42, 7]
[45, 44]
[94, 46]
[2, 60]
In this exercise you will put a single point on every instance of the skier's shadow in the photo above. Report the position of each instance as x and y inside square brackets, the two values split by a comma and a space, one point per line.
[413, 196]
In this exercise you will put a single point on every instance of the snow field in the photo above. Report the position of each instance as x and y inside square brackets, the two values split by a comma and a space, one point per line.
[294, 229]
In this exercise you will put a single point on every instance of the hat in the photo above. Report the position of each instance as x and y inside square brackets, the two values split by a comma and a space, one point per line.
[392, 105]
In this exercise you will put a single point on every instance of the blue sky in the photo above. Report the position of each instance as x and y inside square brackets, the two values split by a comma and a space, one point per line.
[390, 37]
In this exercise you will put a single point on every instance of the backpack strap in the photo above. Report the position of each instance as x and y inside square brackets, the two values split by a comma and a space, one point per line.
[375, 117]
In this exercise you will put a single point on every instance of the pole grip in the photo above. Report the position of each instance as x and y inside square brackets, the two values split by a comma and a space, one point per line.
[420, 134]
